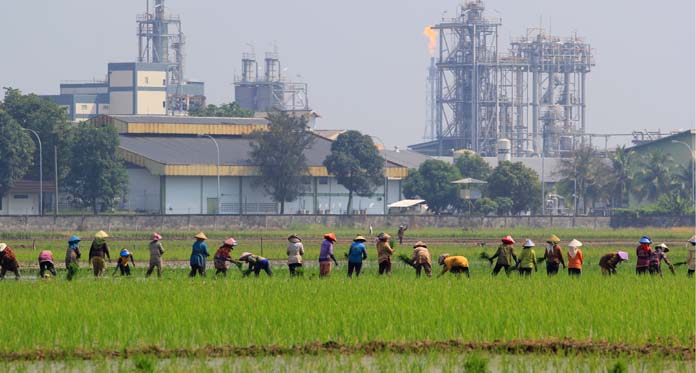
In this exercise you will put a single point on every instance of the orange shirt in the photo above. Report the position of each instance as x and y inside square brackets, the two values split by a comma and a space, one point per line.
[577, 261]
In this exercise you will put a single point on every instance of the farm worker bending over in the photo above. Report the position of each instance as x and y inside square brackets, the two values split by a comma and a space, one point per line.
[400, 233]
[295, 251]
[656, 258]
[553, 255]
[527, 259]
[72, 255]
[326, 255]
[8, 261]
[222, 256]
[454, 264]
[46, 263]
[256, 264]
[691, 259]
[198, 255]
[156, 251]
[97, 252]
[356, 254]
[421, 259]
[609, 262]
[125, 257]
[384, 253]
[505, 255]
[643, 252]
[574, 258]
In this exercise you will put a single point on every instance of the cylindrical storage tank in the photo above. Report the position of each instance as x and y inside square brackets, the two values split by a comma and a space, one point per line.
[504, 150]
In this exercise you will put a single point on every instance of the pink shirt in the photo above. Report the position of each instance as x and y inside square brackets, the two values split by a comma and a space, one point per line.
[46, 256]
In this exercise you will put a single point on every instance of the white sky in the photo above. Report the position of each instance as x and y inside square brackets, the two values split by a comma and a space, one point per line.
[365, 61]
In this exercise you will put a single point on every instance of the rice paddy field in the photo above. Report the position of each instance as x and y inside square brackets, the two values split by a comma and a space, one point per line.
[370, 323]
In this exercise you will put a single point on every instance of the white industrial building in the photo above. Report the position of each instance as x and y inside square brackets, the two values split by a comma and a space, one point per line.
[172, 170]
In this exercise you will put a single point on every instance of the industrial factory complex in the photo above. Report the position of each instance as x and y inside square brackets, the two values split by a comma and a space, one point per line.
[524, 100]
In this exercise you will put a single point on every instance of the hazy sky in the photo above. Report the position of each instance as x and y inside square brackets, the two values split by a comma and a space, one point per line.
[365, 61]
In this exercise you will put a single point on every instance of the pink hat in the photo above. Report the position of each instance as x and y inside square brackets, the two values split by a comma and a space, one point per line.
[623, 255]
[156, 236]
[230, 242]
[508, 240]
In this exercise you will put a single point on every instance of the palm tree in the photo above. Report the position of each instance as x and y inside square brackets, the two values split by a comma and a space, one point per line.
[578, 172]
[654, 176]
[683, 180]
[621, 176]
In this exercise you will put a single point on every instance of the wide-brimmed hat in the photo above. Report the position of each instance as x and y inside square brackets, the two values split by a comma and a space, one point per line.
[645, 239]
[156, 236]
[244, 255]
[441, 259]
[508, 240]
[201, 236]
[553, 239]
[693, 239]
[230, 242]
[420, 244]
[623, 255]
[663, 246]
[330, 236]
[574, 243]
[529, 243]
[359, 238]
[74, 239]
[294, 238]
[3, 246]
[101, 235]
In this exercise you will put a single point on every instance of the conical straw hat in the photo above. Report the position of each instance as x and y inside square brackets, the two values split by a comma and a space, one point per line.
[201, 236]
[101, 234]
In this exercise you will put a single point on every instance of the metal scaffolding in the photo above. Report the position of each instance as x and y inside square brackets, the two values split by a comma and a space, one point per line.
[534, 95]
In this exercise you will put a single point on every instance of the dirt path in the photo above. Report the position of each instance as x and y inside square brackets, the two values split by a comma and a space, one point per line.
[547, 346]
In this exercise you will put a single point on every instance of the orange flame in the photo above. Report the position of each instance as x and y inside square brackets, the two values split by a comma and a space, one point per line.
[432, 39]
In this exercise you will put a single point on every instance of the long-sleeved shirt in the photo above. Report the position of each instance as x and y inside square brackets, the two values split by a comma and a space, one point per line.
[156, 251]
[46, 256]
[384, 251]
[505, 255]
[72, 255]
[295, 251]
[199, 253]
[222, 255]
[8, 259]
[357, 252]
[554, 255]
[326, 251]
[421, 255]
[454, 262]
[575, 261]
[691, 259]
[100, 249]
[527, 258]
[643, 252]
[609, 261]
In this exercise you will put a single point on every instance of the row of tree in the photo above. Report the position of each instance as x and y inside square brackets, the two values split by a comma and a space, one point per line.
[88, 166]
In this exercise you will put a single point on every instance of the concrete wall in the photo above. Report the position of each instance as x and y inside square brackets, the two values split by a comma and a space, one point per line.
[21, 203]
[122, 78]
[143, 191]
[121, 102]
[151, 102]
[149, 223]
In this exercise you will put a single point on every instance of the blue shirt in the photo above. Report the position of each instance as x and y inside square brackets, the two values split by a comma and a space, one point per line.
[357, 252]
[199, 253]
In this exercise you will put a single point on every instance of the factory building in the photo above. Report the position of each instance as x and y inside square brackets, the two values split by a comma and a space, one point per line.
[173, 170]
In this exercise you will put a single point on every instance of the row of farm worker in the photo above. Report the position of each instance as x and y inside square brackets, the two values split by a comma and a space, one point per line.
[649, 259]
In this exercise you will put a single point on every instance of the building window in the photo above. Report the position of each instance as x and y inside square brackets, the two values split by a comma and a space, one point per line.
[323, 180]
[105, 107]
[147, 80]
[164, 104]
[21, 196]
[164, 81]
[83, 107]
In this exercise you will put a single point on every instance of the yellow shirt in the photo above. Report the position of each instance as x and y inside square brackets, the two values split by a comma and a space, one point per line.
[455, 261]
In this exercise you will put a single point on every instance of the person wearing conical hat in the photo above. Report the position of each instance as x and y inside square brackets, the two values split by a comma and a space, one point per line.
[384, 253]
[505, 255]
[326, 255]
[8, 262]
[527, 259]
[256, 264]
[453, 263]
[156, 251]
[71, 256]
[643, 252]
[223, 256]
[199, 253]
[421, 259]
[574, 258]
[657, 256]
[295, 251]
[356, 254]
[608, 262]
[97, 252]
[553, 255]
[691, 259]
